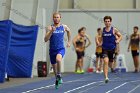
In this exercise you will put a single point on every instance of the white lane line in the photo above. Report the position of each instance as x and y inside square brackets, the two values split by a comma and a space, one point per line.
[81, 87]
[52, 85]
[85, 86]
[135, 81]
[95, 86]
[91, 88]
[134, 89]
[38, 89]
[121, 86]
[116, 87]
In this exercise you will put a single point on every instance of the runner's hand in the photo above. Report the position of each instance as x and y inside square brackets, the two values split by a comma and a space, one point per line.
[51, 28]
[128, 50]
[68, 44]
[117, 41]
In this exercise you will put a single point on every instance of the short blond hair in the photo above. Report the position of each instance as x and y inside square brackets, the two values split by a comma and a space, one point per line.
[56, 13]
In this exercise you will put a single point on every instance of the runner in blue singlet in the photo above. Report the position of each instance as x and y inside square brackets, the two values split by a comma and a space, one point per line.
[109, 44]
[55, 33]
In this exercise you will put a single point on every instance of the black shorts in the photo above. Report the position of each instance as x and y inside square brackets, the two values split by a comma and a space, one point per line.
[98, 55]
[109, 53]
[80, 54]
[135, 53]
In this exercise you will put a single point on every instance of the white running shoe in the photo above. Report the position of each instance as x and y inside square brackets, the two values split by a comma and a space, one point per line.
[97, 71]
[101, 71]
[106, 80]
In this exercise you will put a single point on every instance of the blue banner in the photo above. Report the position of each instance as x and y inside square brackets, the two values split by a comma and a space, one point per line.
[5, 34]
[20, 47]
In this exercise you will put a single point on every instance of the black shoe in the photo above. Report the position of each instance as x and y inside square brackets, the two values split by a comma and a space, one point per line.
[136, 71]
[7, 79]
[112, 70]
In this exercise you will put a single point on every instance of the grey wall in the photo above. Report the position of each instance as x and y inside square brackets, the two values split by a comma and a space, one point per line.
[100, 4]
[123, 20]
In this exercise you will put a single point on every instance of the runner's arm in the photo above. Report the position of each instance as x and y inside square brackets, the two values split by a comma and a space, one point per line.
[67, 29]
[89, 42]
[129, 45]
[49, 31]
[118, 34]
[74, 41]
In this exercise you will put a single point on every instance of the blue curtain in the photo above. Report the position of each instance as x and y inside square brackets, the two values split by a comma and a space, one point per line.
[20, 51]
[5, 32]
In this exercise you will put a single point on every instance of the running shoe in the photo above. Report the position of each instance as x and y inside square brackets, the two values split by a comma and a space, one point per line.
[78, 72]
[58, 81]
[56, 84]
[82, 72]
[106, 80]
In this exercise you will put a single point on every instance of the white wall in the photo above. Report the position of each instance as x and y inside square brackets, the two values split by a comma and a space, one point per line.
[5, 12]
[99, 4]
[1, 9]
[23, 12]
[124, 21]
[106, 4]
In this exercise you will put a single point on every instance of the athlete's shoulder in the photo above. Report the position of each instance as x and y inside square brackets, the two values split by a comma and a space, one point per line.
[66, 27]
[97, 36]
[115, 29]
[131, 35]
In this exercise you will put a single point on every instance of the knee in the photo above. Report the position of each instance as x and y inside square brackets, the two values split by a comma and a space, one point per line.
[106, 60]
[58, 59]
[79, 59]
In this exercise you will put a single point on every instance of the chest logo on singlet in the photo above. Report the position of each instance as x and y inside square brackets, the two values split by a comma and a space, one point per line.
[58, 31]
[107, 34]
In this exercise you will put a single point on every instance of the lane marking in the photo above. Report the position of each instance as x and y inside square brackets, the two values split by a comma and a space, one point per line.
[110, 90]
[134, 89]
[116, 87]
[96, 86]
[54, 85]
[68, 82]
[91, 88]
[82, 87]
[121, 86]
[38, 88]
